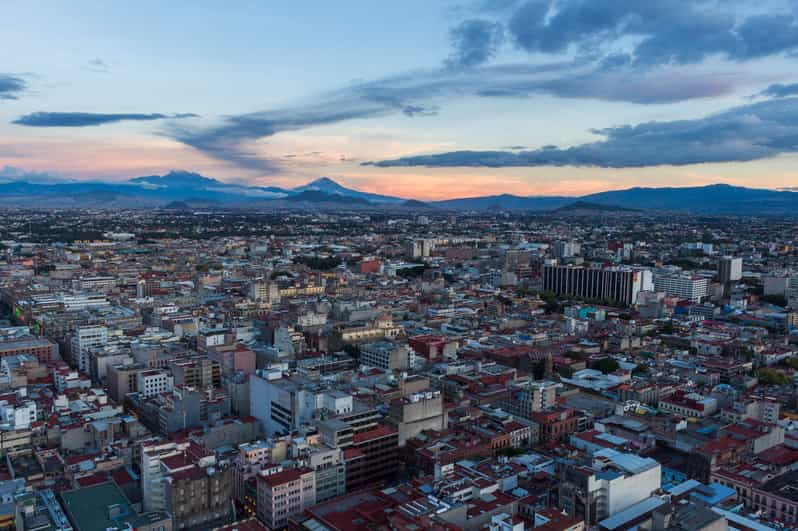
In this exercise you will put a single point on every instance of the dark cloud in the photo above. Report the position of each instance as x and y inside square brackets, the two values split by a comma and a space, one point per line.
[86, 119]
[474, 42]
[228, 140]
[779, 90]
[11, 86]
[646, 33]
[764, 35]
[623, 50]
[420, 110]
[648, 87]
[418, 94]
[409, 94]
[745, 133]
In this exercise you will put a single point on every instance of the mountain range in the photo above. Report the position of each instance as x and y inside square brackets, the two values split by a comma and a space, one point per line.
[192, 190]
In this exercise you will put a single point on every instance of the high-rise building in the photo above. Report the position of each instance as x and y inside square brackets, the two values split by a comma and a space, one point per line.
[690, 287]
[564, 249]
[730, 269]
[615, 285]
[85, 338]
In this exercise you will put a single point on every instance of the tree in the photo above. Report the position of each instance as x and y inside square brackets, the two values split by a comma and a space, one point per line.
[411, 272]
[641, 368]
[576, 355]
[565, 371]
[551, 304]
[778, 300]
[772, 377]
[606, 365]
[352, 350]
[319, 263]
[539, 369]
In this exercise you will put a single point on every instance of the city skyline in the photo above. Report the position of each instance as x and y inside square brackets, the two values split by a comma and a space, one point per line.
[430, 102]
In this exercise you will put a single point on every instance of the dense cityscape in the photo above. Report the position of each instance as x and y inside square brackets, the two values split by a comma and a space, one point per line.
[356, 370]
[427, 265]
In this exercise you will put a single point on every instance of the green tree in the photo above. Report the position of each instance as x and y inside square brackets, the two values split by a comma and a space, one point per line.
[772, 377]
[606, 365]
[565, 371]
[319, 263]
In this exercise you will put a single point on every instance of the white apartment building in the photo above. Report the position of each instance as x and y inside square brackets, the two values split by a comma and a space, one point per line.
[18, 414]
[154, 382]
[82, 301]
[85, 338]
[690, 287]
[618, 480]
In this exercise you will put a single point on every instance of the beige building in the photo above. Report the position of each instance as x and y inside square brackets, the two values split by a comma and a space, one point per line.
[417, 412]
[285, 494]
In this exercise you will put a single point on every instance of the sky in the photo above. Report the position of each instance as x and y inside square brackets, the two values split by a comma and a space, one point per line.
[424, 99]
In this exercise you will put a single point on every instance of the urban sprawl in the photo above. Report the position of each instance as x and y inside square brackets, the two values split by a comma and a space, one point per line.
[353, 371]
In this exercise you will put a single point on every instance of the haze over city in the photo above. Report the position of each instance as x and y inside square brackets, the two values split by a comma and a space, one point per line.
[418, 99]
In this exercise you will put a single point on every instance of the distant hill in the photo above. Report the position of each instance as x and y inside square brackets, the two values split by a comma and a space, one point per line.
[328, 186]
[177, 205]
[194, 189]
[417, 205]
[504, 202]
[712, 199]
[316, 196]
[587, 206]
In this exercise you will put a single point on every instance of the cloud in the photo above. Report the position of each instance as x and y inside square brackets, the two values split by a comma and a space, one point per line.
[87, 119]
[474, 42]
[11, 86]
[779, 90]
[420, 94]
[228, 141]
[630, 51]
[648, 32]
[750, 132]
[12, 173]
[663, 85]
[99, 66]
